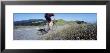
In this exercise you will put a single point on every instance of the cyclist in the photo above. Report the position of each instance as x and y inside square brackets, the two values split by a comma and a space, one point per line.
[49, 20]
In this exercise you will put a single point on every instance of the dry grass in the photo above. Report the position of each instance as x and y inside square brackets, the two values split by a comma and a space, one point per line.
[73, 32]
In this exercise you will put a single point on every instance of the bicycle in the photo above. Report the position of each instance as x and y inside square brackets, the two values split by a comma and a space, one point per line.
[44, 30]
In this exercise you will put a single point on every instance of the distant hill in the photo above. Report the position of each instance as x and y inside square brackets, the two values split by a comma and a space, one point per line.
[41, 22]
[80, 22]
[29, 22]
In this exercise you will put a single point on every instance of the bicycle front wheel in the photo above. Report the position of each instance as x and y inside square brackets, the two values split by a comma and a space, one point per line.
[54, 27]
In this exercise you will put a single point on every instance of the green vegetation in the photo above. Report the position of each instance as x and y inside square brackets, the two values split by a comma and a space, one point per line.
[60, 22]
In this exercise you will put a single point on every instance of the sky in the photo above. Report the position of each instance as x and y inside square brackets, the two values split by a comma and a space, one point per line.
[87, 17]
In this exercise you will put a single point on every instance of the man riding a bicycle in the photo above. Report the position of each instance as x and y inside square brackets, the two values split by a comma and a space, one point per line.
[49, 20]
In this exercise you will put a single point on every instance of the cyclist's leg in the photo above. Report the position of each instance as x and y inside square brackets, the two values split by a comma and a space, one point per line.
[51, 25]
[48, 22]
